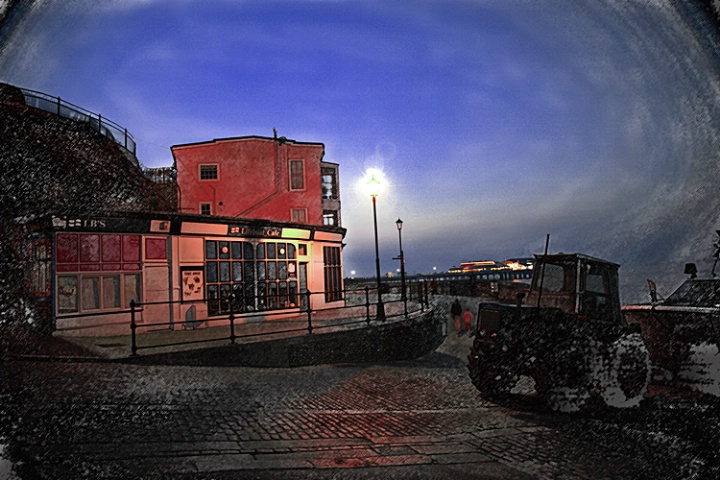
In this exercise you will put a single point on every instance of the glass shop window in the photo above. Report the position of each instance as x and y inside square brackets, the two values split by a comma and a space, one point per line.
[100, 272]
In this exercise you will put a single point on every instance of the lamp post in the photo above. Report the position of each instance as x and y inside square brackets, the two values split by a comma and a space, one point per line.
[374, 186]
[403, 295]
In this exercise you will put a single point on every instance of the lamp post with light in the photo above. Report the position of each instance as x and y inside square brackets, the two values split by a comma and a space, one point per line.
[374, 186]
[403, 295]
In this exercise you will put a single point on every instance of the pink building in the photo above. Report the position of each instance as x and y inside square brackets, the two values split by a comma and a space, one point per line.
[273, 179]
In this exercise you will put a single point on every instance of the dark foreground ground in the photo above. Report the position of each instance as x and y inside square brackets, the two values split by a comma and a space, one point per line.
[408, 419]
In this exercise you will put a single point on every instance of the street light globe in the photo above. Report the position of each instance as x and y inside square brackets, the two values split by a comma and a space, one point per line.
[374, 182]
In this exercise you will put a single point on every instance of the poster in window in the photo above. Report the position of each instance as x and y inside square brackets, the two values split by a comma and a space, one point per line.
[67, 294]
[192, 283]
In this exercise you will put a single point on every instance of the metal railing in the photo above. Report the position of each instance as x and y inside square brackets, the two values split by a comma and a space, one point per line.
[64, 109]
[358, 310]
[456, 285]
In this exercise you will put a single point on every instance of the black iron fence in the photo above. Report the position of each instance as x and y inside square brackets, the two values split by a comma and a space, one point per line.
[60, 107]
[454, 285]
[360, 308]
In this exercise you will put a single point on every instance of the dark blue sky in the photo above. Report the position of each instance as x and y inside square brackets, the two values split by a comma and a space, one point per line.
[495, 121]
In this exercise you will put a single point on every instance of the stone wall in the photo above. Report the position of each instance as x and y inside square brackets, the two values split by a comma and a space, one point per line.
[395, 340]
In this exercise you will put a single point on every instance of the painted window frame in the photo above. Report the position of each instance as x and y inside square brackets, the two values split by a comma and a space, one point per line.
[332, 268]
[84, 256]
[277, 275]
[294, 176]
[236, 259]
[128, 286]
[329, 187]
[302, 218]
[204, 169]
[330, 215]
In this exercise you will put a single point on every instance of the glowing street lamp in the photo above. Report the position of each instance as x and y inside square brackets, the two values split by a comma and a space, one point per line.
[374, 188]
[403, 296]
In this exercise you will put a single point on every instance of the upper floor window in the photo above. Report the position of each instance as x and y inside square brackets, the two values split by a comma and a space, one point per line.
[297, 175]
[208, 172]
[329, 183]
[298, 215]
[330, 217]
[205, 209]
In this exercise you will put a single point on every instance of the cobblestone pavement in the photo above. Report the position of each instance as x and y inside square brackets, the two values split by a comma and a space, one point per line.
[413, 419]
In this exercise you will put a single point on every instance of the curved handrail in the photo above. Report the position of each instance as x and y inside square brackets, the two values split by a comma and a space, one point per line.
[65, 109]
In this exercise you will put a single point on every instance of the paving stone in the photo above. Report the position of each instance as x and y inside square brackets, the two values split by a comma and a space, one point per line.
[444, 448]
[394, 450]
[343, 462]
[496, 432]
[464, 457]
[401, 460]
[218, 463]
[405, 440]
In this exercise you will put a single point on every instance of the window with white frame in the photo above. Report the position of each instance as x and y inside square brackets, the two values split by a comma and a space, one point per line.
[329, 182]
[209, 172]
[330, 217]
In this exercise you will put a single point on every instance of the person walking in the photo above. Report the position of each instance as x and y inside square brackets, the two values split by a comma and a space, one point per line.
[467, 319]
[455, 314]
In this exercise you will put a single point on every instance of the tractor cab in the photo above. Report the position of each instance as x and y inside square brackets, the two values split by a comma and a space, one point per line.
[577, 284]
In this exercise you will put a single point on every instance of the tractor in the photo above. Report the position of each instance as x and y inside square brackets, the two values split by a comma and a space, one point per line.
[567, 334]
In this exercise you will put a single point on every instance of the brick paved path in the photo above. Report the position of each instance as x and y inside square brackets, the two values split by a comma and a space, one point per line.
[99, 420]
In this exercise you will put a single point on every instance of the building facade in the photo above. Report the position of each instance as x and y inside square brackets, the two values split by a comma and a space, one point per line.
[274, 179]
[183, 270]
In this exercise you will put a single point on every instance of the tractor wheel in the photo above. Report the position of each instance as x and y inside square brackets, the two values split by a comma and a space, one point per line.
[493, 377]
[564, 384]
[623, 372]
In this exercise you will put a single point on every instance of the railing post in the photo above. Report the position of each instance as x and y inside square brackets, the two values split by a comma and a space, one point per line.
[133, 327]
[405, 299]
[425, 294]
[232, 319]
[421, 295]
[367, 304]
[126, 147]
[309, 313]
[59, 102]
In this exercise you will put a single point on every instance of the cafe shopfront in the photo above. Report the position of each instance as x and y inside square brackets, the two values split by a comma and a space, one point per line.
[186, 271]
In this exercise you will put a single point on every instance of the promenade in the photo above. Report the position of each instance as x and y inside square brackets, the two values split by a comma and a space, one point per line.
[104, 418]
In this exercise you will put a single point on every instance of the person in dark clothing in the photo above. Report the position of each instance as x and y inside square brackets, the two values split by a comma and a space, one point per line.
[456, 316]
